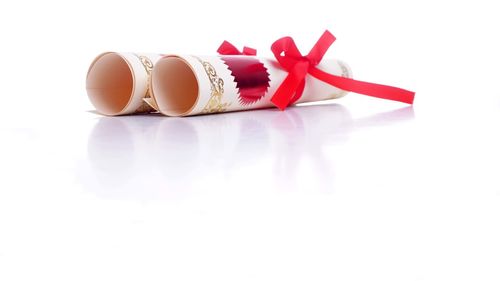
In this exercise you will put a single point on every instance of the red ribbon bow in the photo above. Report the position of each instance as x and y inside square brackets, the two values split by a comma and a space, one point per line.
[227, 48]
[298, 66]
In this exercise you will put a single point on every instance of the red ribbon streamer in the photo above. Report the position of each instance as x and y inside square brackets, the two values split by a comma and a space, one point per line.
[298, 66]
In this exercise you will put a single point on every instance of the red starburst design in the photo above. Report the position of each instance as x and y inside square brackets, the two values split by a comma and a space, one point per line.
[251, 77]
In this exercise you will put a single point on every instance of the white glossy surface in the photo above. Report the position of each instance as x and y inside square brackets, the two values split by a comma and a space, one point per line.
[355, 189]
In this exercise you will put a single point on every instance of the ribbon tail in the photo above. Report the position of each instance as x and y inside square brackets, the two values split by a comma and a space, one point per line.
[249, 51]
[364, 88]
[227, 48]
[298, 92]
[284, 93]
[319, 49]
[288, 89]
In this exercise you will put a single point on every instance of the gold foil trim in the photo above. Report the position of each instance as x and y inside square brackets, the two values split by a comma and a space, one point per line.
[345, 73]
[148, 104]
[215, 103]
[344, 69]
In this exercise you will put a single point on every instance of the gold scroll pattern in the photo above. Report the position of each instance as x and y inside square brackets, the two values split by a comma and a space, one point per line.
[215, 103]
[345, 73]
[148, 66]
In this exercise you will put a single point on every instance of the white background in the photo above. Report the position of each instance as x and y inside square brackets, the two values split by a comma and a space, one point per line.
[354, 189]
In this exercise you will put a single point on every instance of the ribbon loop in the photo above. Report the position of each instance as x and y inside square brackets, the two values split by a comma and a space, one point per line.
[286, 52]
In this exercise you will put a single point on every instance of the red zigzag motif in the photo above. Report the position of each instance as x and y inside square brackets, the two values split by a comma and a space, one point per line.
[251, 77]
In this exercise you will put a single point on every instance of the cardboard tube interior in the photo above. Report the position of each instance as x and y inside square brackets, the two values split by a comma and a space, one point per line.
[110, 83]
[174, 85]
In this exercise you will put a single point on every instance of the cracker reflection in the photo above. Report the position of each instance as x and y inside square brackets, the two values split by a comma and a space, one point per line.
[148, 156]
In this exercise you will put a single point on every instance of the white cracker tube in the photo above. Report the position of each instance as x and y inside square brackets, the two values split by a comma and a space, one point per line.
[118, 83]
[189, 85]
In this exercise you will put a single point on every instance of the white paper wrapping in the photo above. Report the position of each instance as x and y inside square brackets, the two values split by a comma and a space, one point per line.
[189, 85]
